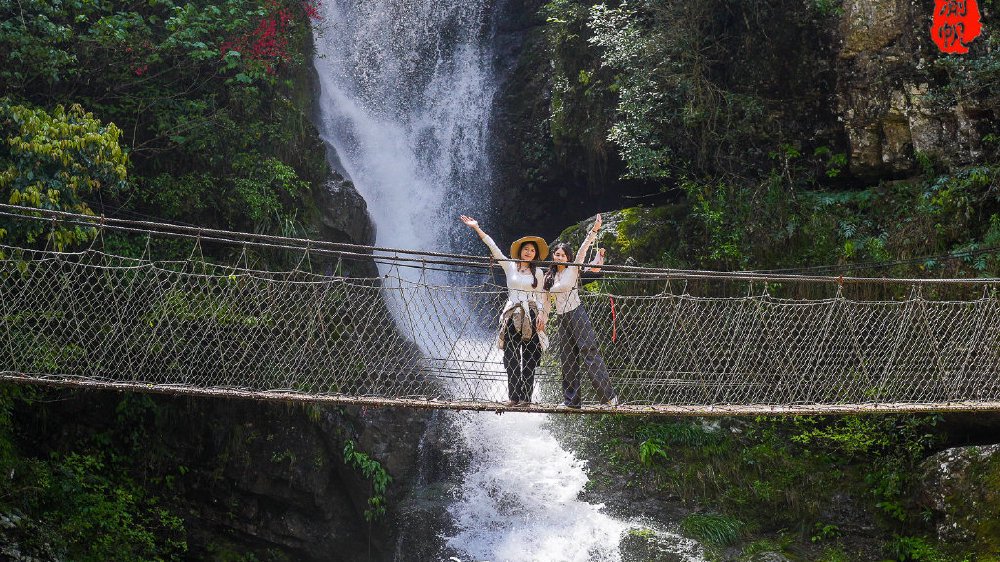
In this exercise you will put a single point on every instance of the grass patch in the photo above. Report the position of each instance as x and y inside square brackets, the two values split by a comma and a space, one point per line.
[714, 530]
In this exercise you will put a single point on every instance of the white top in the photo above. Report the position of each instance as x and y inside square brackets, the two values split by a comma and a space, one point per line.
[519, 289]
[565, 289]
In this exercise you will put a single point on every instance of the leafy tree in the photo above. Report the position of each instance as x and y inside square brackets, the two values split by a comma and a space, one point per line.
[55, 160]
[198, 88]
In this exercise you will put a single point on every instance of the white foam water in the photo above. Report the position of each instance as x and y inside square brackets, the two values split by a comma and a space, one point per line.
[518, 501]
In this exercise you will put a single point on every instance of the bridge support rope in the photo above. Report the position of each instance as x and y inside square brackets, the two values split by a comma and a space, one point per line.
[98, 319]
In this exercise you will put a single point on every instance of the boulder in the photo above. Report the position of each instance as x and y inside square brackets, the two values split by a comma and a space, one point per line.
[961, 488]
[647, 545]
[343, 213]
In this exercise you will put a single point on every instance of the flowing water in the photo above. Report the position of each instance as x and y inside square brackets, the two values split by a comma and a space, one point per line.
[407, 90]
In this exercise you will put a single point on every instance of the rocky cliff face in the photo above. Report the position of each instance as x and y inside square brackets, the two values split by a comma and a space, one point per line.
[860, 77]
[250, 478]
[896, 91]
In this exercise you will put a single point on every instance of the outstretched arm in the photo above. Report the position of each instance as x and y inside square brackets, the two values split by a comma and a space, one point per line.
[474, 225]
[581, 254]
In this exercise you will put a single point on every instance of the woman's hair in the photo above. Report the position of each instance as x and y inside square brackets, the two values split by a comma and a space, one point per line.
[550, 273]
[531, 264]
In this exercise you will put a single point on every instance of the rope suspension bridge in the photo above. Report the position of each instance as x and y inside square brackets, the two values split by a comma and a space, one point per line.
[324, 328]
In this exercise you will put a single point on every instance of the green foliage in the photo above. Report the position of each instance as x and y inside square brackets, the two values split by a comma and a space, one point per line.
[581, 100]
[684, 103]
[201, 92]
[650, 449]
[683, 434]
[774, 474]
[714, 530]
[913, 549]
[892, 445]
[262, 186]
[827, 8]
[374, 472]
[834, 554]
[835, 163]
[969, 80]
[853, 436]
[824, 532]
[102, 519]
[84, 503]
[55, 161]
[732, 224]
[765, 545]
[639, 117]
[650, 235]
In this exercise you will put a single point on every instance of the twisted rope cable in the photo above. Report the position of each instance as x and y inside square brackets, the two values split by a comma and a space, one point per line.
[714, 347]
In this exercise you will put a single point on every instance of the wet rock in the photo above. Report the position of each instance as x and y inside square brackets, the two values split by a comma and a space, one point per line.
[422, 518]
[19, 540]
[258, 476]
[871, 25]
[647, 545]
[343, 217]
[343, 213]
[961, 487]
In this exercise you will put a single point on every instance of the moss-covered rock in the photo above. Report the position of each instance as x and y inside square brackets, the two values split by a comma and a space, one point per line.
[961, 488]
[647, 545]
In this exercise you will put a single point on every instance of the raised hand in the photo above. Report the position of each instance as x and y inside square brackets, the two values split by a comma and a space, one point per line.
[597, 223]
[469, 221]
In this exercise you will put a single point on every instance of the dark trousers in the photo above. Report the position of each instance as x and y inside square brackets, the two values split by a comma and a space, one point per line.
[520, 357]
[578, 348]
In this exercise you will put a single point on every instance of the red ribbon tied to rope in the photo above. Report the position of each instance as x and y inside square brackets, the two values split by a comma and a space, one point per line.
[614, 321]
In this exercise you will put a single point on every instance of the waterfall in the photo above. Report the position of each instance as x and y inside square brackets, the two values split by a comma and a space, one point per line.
[407, 89]
[406, 96]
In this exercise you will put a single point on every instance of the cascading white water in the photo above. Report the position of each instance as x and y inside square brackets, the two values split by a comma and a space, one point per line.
[406, 97]
[406, 93]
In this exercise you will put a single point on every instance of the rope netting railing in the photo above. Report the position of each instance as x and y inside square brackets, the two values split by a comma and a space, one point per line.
[422, 331]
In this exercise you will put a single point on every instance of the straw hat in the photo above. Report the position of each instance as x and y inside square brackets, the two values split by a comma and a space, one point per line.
[543, 248]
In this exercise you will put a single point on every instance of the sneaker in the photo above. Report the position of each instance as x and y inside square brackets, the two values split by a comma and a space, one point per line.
[512, 403]
[613, 402]
[568, 406]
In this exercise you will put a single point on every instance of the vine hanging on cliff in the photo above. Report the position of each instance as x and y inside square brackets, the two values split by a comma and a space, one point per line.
[373, 471]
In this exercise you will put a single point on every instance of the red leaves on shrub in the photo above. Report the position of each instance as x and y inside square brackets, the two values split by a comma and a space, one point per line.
[267, 44]
[311, 9]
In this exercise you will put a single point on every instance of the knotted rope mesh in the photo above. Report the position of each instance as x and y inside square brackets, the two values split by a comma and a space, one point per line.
[673, 342]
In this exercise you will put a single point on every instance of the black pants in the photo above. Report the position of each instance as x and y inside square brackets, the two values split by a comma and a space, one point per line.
[578, 348]
[520, 357]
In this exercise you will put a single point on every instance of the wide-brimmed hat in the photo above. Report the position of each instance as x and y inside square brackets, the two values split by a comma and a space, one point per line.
[543, 248]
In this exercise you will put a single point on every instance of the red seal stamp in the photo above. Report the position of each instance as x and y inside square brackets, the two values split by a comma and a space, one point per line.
[955, 24]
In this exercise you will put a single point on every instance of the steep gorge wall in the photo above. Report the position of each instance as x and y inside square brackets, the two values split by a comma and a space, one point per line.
[258, 479]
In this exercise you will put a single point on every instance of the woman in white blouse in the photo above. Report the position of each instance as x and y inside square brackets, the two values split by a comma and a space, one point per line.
[577, 343]
[522, 322]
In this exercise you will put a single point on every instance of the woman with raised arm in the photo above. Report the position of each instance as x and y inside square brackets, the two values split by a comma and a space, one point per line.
[577, 343]
[522, 322]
